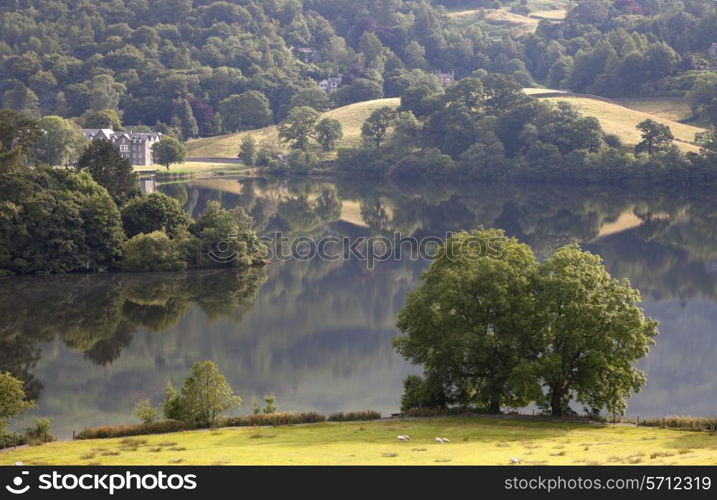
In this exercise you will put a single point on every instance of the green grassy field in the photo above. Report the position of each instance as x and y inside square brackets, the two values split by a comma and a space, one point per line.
[351, 118]
[193, 167]
[621, 120]
[497, 21]
[671, 108]
[473, 440]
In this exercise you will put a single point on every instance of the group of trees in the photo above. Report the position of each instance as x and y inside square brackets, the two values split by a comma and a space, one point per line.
[624, 47]
[204, 397]
[202, 67]
[64, 220]
[303, 124]
[485, 127]
[494, 328]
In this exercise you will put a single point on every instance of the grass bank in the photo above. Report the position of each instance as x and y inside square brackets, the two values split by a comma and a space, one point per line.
[621, 120]
[473, 440]
[351, 118]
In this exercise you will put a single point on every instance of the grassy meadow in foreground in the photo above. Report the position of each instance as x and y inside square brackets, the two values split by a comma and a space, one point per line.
[473, 440]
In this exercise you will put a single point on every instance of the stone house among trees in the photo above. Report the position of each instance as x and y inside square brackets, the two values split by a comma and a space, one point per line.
[331, 84]
[135, 146]
[445, 78]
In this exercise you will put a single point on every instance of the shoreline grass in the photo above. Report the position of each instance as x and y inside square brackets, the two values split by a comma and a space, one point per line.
[473, 441]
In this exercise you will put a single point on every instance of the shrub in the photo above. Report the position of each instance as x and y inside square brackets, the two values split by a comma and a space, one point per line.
[425, 412]
[153, 252]
[40, 430]
[671, 422]
[154, 212]
[172, 406]
[146, 412]
[270, 404]
[11, 439]
[354, 415]
[104, 432]
[420, 393]
[264, 419]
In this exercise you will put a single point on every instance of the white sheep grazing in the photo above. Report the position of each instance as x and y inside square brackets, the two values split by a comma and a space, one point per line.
[439, 440]
[446, 440]
[514, 460]
[403, 438]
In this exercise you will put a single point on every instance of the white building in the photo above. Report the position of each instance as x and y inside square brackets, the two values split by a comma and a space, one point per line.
[331, 84]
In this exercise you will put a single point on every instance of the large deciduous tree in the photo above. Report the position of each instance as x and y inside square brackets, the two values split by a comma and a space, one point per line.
[168, 151]
[12, 399]
[376, 126]
[471, 323]
[655, 137]
[245, 111]
[110, 170]
[328, 133]
[491, 327]
[593, 331]
[206, 394]
[298, 128]
[60, 142]
[18, 133]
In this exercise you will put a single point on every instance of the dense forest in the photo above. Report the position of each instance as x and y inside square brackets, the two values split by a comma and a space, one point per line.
[188, 66]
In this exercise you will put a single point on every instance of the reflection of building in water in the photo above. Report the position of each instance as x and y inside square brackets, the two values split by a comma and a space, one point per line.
[148, 184]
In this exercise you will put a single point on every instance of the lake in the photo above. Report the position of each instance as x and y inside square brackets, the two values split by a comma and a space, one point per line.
[318, 332]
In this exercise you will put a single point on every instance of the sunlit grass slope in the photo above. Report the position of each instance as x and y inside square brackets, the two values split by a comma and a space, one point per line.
[473, 440]
[351, 118]
[621, 120]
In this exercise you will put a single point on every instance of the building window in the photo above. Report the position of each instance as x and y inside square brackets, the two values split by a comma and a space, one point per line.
[124, 148]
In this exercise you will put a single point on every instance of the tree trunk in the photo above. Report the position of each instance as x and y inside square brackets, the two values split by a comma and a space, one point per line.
[556, 403]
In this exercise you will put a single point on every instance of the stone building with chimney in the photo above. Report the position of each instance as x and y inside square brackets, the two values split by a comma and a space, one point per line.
[135, 146]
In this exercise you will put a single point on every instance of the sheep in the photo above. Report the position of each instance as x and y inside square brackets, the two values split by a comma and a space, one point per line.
[446, 440]
[439, 440]
[403, 438]
[514, 460]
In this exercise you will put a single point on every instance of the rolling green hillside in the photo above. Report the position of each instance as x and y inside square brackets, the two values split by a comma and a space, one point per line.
[351, 118]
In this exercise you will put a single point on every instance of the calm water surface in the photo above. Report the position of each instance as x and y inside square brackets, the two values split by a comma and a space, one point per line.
[317, 333]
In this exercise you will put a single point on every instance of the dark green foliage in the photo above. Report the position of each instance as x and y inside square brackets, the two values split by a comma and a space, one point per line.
[491, 327]
[223, 238]
[421, 393]
[245, 111]
[299, 127]
[18, 134]
[110, 170]
[376, 126]
[206, 394]
[57, 221]
[248, 152]
[153, 212]
[153, 252]
[655, 137]
[328, 133]
[168, 151]
[352, 416]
